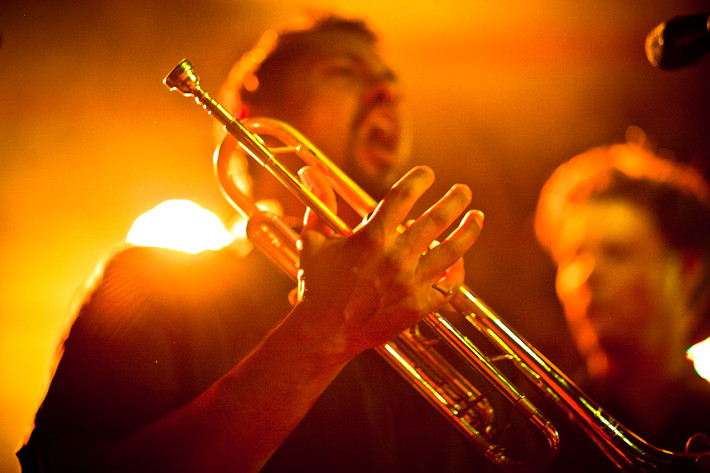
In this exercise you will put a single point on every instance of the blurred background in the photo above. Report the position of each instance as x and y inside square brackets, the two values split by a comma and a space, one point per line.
[500, 93]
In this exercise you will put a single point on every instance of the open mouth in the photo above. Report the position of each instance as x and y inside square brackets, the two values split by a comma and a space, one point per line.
[381, 139]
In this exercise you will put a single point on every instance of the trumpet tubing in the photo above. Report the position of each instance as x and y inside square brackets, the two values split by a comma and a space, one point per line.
[422, 354]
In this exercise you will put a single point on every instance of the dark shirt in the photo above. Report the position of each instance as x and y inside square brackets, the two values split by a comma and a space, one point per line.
[161, 326]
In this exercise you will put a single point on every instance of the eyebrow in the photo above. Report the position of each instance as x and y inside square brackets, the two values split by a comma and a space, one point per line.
[387, 72]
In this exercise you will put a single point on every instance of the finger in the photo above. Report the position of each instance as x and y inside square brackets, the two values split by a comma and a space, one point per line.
[319, 185]
[437, 218]
[399, 200]
[446, 253]
[452, 278]
[308, 244]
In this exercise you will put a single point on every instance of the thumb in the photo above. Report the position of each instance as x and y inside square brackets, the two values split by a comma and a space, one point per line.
[319, 185]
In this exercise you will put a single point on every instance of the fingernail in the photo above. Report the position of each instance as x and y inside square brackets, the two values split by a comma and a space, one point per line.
[465, 189]
[478, 216]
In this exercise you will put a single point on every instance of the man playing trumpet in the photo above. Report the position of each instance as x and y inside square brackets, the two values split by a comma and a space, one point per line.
[182, 362]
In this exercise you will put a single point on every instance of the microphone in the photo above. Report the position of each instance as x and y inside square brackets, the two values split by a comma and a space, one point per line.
[679, 42]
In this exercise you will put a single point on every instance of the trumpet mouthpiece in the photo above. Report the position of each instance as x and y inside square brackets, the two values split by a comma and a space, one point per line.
[183, 78]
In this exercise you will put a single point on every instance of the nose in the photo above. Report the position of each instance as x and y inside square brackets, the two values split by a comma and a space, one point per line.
[383, 89]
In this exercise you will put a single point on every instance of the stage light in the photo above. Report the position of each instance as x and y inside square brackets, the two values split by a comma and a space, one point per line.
[699, 354]
[179, 224]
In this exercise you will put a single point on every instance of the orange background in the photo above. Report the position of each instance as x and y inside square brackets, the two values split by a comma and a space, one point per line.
[500, 93]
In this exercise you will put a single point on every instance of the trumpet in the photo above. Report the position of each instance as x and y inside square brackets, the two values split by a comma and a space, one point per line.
[486, 354]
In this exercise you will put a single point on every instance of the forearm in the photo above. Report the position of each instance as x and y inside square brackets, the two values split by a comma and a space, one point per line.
[239, 422]
[356, 293]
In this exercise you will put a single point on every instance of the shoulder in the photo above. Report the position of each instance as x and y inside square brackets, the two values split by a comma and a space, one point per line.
[141, 289]
[162, 287]
[159, 273]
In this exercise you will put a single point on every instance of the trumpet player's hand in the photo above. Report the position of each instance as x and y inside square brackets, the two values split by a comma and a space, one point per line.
[365, 288]
[357, 292]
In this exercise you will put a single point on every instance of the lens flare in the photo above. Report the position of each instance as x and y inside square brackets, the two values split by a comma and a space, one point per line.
[181, 225]
[699, 354]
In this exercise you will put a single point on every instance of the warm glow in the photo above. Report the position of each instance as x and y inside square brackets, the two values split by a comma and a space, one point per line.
[180, 225]
[699, 354]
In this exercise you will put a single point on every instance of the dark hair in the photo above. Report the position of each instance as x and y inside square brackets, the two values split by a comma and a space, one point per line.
[675, 195]
[681, 217]
[257, 75]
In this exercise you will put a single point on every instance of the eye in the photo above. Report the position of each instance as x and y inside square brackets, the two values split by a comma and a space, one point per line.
[617, 252]
[340, 68]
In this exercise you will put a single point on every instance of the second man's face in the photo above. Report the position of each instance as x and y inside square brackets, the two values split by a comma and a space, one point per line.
[620, 285]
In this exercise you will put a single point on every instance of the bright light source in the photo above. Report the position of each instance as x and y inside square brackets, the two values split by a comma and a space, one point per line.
[699, 354]
[181, 225]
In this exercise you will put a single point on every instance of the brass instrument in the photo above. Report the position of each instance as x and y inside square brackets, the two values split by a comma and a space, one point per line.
[411, 353]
